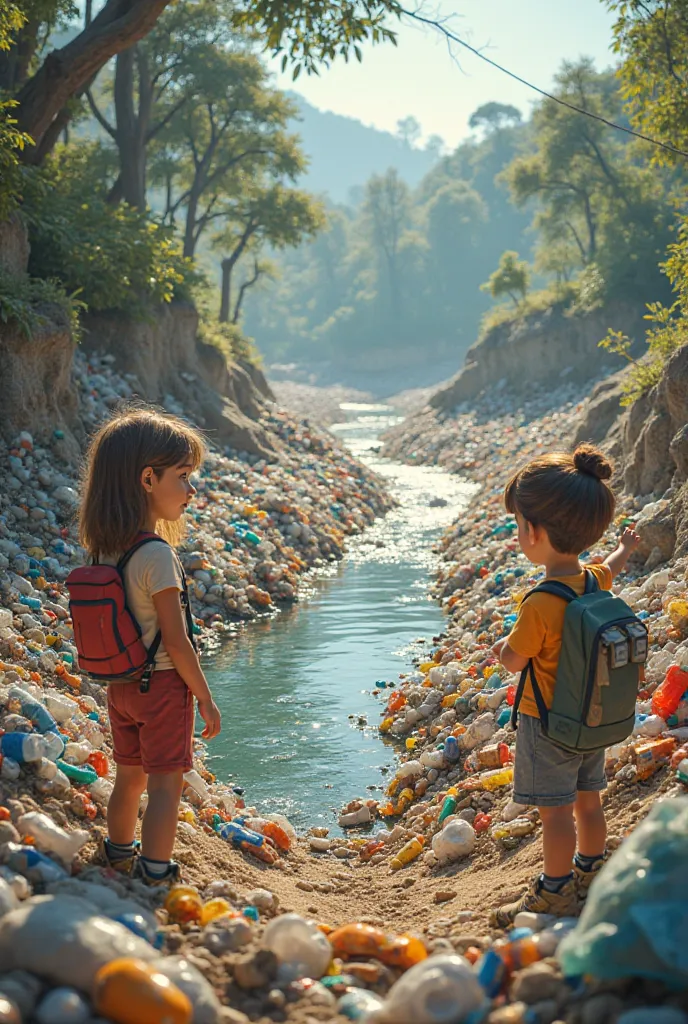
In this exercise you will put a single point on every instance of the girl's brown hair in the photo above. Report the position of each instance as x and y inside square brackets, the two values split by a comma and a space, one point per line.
[114, 506]
[567, 494]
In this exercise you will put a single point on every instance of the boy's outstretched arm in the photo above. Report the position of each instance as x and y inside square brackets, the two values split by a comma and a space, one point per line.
[627, 545]
[511, 661]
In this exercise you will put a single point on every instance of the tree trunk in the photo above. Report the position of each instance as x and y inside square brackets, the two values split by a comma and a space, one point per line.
[227, 267]
[131, 184]
[190, 238]
[119, 25]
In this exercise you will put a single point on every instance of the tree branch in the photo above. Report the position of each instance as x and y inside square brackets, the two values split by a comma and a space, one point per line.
[157, 128]
[249, 283]
[100, 118]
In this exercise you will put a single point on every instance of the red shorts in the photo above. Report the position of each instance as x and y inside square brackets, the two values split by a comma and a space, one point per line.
[154, 729]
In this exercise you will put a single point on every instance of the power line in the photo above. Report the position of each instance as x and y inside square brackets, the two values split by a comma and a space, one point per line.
[450, 36]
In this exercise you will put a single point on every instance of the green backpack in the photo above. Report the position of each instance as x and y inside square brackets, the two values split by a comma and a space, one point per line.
[603, 646]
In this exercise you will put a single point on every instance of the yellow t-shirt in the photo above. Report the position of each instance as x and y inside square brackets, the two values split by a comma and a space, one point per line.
[538, 632]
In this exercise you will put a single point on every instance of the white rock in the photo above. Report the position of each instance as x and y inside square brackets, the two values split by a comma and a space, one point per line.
[299, 944]
[8, 898]
[456, 840]
[439, 990]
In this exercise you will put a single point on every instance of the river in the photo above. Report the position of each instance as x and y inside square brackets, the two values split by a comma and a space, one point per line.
[299, 719]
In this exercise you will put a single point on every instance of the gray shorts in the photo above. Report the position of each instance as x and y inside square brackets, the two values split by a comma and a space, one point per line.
[548, 776]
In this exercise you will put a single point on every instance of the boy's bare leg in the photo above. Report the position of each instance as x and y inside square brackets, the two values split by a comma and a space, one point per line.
[159, 826]
[558, 839]
[590, 823]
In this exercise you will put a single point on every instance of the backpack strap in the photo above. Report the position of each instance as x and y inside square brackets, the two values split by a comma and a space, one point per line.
[143, 539]
[568, 594]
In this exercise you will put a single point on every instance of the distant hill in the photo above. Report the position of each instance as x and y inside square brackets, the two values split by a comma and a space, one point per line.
[343, 153]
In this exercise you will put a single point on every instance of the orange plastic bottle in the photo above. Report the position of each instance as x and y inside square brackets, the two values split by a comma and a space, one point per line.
[279, 837]
[649, 756]
[407, 853]
[517, 953]
[667, 696]
[353, 940]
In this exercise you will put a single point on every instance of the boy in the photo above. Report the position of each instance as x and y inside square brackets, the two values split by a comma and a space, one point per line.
[563, 504]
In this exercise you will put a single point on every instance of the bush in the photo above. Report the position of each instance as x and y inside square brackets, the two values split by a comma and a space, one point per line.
[230, 340]
[563, 294]
[114, 257]
[25, 302]
[11, 143]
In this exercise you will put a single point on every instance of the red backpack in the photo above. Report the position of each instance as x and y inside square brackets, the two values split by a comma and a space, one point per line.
[106, 634]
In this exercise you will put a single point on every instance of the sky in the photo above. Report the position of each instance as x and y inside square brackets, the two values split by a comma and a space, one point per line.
[420, 78]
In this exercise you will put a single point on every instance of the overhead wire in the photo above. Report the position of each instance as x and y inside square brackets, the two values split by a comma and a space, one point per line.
[452, 37]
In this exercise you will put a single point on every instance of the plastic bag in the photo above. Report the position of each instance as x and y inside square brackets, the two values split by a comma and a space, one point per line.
[635, 920]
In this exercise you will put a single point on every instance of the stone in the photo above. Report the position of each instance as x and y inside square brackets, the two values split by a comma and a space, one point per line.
[230, 1016]
[535, 983]
[444, 895]
[62, 1006]
[227, 935]
[515, 1013]
[183, 974]
[257, 970]
[603, 1008]
[653, 1015]
[263, 899]
[21, 988]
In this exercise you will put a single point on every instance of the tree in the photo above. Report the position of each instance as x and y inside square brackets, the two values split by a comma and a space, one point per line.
[455, 216]
[231, 122]
[651, 36]
[511, 277]
[494, 116]
[435, 147]
[308, 32]
[591, 191]
[151, 85]
[409, 131]
[259, 214]
[385, 215]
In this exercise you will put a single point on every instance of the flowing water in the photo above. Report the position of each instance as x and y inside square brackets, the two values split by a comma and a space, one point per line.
[299, 721]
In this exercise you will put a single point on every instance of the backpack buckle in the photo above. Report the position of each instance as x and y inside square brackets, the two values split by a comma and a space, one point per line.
[145, 679]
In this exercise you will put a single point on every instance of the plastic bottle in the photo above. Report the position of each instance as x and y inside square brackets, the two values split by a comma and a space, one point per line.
[127, 990]
[407, 853]
[25, 747]
[667, 696]
[198, 784]
[34, 866]
[33, 709]
[451, 748]
[83, 775]
[513, 829]
[448, 805]
[518, 949]
[184, 904]
[364, 940]
[50, 837]
[235, 833]
[77, 753]
[682, 771]
[371, 848]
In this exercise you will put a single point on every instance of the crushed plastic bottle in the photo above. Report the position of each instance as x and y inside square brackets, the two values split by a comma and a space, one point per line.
[50, 838]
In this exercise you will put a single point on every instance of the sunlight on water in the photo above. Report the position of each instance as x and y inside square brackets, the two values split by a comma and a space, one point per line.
[299, 721]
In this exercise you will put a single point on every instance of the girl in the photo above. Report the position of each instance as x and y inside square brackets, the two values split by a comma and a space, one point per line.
[138, 480]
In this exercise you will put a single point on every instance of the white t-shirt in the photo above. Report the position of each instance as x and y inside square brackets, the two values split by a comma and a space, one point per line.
[151, 569]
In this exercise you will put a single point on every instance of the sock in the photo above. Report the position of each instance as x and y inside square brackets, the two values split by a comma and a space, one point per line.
[155, 868]
[550, 883]
[586, 863]
[120, 851]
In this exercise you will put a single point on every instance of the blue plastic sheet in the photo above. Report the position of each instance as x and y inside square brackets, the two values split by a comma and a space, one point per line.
[635, 922]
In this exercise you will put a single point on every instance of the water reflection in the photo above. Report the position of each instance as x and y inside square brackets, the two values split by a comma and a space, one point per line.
[288, 687]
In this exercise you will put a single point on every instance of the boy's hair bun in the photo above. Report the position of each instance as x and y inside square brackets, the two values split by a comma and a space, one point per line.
[589, 459]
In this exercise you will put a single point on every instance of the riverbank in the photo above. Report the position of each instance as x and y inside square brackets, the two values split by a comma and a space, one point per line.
[445, 903]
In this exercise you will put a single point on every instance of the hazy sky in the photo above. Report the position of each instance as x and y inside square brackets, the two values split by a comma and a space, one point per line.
[419, 77]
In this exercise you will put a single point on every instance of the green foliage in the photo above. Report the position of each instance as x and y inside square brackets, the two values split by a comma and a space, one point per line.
[596, 204]
[562, 295]
[512, 277]
[116, 258]
[25, 302]
[651, 37]
[312, 32]
[669, 333]
[12, 143]
[12, 18]
[229, 339]
[494, 116]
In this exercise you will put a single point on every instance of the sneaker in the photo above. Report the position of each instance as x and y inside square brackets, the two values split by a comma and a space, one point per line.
[122, 865]
[584, 879]
[172, 876]
[565, 903]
